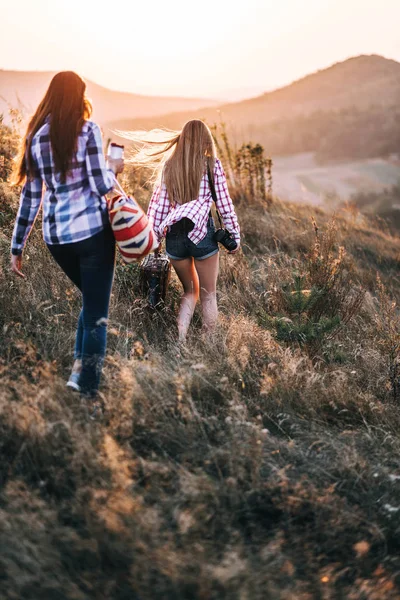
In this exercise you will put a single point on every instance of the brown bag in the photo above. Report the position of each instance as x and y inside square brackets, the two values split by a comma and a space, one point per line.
[155, 272]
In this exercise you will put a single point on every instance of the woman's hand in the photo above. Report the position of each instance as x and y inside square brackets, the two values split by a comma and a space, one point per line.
[116, 164]
[16, 264]
[235, 251]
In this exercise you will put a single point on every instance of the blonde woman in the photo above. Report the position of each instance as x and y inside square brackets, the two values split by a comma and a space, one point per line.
[180, 209]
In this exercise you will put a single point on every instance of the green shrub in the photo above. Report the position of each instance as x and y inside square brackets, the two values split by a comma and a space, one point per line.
[320, 298]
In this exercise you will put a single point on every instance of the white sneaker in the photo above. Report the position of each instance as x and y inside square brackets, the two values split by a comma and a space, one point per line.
[73, 381]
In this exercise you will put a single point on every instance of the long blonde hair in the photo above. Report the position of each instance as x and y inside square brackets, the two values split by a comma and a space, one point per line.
[182, 160]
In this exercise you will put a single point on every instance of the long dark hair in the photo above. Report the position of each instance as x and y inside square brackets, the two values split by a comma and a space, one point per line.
[66, 104]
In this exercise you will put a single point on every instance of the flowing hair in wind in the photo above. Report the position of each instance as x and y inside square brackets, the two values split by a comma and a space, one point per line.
[178, 158]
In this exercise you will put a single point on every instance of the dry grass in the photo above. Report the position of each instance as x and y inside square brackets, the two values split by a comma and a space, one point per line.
[245, 468]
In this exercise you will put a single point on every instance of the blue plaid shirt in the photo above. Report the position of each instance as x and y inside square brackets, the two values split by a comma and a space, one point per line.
[74, 210]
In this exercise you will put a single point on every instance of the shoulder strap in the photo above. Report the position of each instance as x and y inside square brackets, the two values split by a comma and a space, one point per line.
[213, 192]
[120, 189]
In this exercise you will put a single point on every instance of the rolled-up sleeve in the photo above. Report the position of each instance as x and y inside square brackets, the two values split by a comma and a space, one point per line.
[224, 202]
[159, 208]
[101, 179]
[31, 198]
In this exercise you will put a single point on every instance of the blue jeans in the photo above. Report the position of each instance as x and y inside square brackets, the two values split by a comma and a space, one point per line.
[90, 266]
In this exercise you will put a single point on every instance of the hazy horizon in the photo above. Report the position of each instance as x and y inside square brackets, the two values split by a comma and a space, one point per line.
[225, 51]
[231, 95]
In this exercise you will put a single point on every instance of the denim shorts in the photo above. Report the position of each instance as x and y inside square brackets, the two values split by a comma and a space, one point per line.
[179, 246]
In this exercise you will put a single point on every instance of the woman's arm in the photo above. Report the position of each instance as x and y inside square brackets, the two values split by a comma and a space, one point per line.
[101, 178]
[159, 208]
[31, 198]
[224, 202]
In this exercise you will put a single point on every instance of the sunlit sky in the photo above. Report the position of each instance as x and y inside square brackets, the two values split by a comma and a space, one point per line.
[209, 48]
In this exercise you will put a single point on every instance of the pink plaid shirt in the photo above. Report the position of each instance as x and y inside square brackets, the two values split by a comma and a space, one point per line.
[162, 215]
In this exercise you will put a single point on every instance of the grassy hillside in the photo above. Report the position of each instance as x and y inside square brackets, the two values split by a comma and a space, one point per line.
[350, 110]
[261, 464]
[25, 89]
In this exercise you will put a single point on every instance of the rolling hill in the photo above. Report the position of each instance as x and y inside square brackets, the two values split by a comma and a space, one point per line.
[24, 90]
[333, 133]
[349, 110]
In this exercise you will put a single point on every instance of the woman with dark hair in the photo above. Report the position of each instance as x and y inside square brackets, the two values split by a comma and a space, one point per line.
[62, 149]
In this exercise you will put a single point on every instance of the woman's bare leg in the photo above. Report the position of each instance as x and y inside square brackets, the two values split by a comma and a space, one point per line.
[188, 277]
[207, 271]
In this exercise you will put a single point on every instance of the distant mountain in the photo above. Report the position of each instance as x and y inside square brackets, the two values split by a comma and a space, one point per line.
[350, 110]
[238, 94]
[25, 89]
[351, 107]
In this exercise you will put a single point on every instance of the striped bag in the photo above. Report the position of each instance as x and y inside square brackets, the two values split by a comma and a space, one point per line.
[132, 231]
